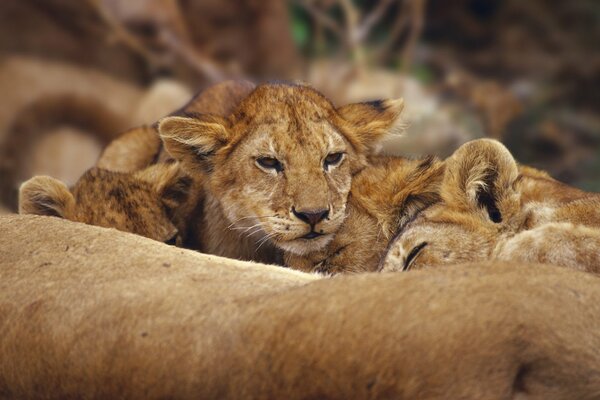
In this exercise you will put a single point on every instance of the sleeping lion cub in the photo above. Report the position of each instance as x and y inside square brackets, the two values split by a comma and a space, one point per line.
[492, 209]
[154, 202]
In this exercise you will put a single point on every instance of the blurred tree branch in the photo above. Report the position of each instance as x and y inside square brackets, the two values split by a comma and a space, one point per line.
[177, 43]
[358, 24]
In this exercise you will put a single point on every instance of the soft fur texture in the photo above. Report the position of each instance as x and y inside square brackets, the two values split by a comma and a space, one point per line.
[384, 197]
[154, 202]
[492, 209]
[87, 312]
[251, 209]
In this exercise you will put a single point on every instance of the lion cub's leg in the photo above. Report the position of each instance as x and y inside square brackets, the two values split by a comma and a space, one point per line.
[563, 244]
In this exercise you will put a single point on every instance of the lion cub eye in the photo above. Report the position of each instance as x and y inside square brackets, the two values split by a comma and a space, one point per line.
[413, 255]
[332, 160]
[269, 163]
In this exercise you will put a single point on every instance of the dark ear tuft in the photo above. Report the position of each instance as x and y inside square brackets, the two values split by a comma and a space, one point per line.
[371, 121]
[481, 175]
[486, 198]
[44, 195]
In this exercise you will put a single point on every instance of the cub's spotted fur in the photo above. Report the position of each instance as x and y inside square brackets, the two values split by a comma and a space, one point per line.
[152, 203]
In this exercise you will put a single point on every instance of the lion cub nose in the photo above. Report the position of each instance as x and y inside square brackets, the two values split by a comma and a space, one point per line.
[311, 217]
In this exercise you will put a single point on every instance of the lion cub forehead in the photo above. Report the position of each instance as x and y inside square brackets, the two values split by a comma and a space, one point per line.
[286, 136]
[270, 103]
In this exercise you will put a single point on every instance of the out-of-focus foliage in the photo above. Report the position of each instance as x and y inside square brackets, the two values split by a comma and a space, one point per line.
[528, 70]
[75, 74]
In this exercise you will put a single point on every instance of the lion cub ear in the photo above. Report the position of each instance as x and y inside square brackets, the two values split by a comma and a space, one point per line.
[481, 177]
[371, 121]
[170, 182]
[192, 141]
[43, 195]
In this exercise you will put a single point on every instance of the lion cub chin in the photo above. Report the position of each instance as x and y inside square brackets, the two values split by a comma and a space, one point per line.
[153, 202]
[384, 197]
[493, 209]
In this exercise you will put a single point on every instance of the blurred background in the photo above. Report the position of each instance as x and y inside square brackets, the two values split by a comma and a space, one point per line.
[74, 74]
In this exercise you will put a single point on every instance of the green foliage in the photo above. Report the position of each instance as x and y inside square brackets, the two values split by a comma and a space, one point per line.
[300, 26]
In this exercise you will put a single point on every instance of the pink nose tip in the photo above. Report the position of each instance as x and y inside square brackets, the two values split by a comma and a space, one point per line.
[311, 217]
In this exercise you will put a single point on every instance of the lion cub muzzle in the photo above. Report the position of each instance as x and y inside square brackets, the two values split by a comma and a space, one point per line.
[312, 218]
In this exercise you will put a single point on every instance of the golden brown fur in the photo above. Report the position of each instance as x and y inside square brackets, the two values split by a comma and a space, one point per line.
[154, 202]
[384, 196]
[91, 313]
[252, 209]
[492, 209]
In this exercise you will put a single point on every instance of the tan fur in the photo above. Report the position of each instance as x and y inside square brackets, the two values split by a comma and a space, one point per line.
[252, 210]
[90, 313]
[133, 150]
[384, 197]
[154, 202]
[492, 209]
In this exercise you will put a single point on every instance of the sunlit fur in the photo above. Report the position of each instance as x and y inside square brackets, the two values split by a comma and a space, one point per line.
[150, 203]
[494, 209]
[384, 196]
[248, 210]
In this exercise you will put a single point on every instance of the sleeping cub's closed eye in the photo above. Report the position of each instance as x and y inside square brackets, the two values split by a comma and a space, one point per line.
[412, 256]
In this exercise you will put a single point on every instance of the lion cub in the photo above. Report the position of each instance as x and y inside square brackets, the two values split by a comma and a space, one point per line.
[493, 209]
[278, 169]
[153, 202]
[383, 198]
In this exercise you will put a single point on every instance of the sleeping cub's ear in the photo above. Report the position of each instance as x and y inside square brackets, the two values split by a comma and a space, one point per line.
[170, 182]
[193, 141]
[480, 177]
[372, 121]
[43, 195]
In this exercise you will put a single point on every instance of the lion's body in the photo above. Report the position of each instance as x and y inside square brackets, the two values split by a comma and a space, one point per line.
[91, 313]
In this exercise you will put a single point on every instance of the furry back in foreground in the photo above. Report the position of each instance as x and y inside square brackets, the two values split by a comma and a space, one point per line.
[95, 313]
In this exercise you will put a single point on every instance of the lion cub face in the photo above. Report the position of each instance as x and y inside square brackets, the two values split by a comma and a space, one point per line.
[492, 209]
[479, 203]
[281, 165]
[142, 203]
